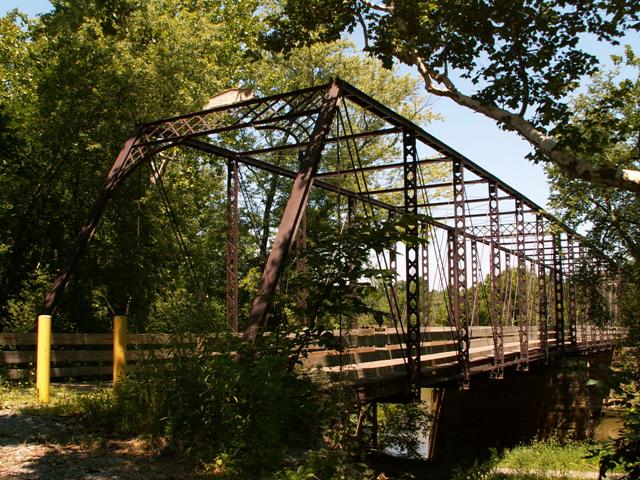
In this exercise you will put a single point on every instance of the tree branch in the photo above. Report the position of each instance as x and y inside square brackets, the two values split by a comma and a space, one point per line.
[379, 8]
[625, 179]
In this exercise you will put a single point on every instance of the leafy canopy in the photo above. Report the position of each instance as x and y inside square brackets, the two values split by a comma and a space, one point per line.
[604, 126]
[518, 55]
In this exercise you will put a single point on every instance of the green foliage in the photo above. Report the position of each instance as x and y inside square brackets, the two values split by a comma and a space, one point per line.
[326, 464]
[63, 400]
[603, 129]
[520, 55]
[403, 427]
[221, 408]
[25, 306]
[623, 452]
[76, 81]
[540, 460]
[549, 455]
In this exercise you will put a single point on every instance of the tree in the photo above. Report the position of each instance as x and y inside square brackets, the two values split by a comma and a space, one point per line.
[75, 83]
[523, 58]
[605, 128]
[607, 121]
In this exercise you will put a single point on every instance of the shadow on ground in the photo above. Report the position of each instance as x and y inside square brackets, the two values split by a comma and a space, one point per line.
[56, 448]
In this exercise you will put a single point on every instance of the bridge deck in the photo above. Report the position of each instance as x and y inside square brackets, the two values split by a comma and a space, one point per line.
[373, 361]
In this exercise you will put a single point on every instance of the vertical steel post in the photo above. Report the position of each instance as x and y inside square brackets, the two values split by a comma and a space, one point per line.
[583, 301]
[292, 216]
[393, 254]
[494, 280]
[412, 258]
[594, 327]
[571, 290]
[474, 282]
[523, 319]
[426, 298]
[459, 260]
[558, 291]
[232, 245]
[542, 287]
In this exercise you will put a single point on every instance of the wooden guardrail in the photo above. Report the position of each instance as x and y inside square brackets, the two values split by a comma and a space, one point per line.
[369, 351]
[78, 354]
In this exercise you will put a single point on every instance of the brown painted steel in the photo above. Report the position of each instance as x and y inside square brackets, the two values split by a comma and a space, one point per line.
[292, 216]
[542, 288]
[571, 291]
[129, 157]
[558, 292]
[309, 115]
[458, 272]
[495, 283]
[232, 245]
[523, 319]
[412, 258]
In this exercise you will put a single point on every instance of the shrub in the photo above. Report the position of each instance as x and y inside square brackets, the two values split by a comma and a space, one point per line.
[240, 411]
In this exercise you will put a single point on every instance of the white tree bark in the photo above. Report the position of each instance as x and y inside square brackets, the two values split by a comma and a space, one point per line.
[621, 178]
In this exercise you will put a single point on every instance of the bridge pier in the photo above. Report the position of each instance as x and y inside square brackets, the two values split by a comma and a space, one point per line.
[551, 400]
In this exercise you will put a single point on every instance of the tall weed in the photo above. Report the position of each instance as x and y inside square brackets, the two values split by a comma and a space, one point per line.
[235, 410]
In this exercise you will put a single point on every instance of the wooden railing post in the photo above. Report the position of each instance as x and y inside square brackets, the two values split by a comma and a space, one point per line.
[43, 363]
[119, 348]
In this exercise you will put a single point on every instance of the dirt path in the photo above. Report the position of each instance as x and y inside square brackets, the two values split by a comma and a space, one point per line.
[56, 448]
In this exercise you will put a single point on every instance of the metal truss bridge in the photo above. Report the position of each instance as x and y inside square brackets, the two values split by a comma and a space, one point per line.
[471, 222]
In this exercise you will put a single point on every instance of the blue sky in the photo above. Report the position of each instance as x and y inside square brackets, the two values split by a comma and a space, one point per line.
[500, 152]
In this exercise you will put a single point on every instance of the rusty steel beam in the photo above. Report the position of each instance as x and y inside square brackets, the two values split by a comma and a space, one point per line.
[377, 168]
[458, 269]
[131, 156]
[420, 187]
[571, 290]
[475, 281]
[412, 258]
[558, 293]
[373, 106]
[479, 215]
[583, 299]
[426, 298]
[523, 319]
[254, 113]
[542, 289]
[292, 216]
[361, 197]
[468, 200]
[494, 278]
[232, 245]
[341, 138]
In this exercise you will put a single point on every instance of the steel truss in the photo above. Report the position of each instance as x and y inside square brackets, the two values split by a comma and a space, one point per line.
[306, 122]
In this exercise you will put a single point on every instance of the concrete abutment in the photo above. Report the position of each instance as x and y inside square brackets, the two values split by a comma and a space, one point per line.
[549, 400]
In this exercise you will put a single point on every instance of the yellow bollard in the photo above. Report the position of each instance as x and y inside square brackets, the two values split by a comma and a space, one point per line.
[119, 348]
[43, 364]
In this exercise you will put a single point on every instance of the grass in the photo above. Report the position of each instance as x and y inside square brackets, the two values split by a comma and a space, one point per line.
[550, 455]
[537, 461]
[63, 400]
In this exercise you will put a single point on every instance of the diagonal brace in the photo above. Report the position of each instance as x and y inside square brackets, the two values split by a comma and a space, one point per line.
[294, 210]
